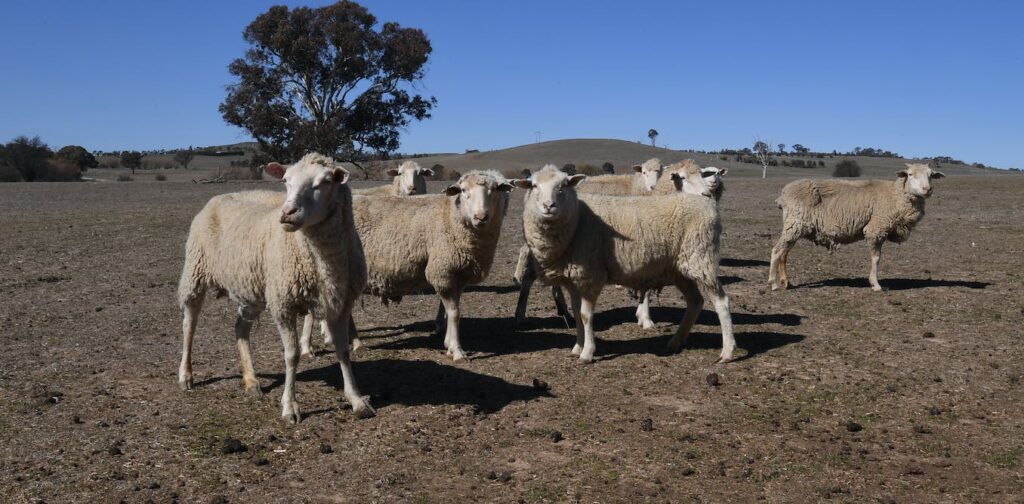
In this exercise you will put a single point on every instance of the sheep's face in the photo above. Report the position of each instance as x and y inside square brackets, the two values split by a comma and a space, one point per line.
[552, 192]
[480, 198]
[649, 172]
[312, 185]
[687, 178]
[917, 179]
[713, 177]
[411, 178]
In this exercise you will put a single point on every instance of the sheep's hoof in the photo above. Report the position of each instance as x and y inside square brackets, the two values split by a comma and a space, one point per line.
[185, 383]
[586, 359]
[254, 391]
[291, 417]
[307, 354]
[675, 345]
[877, 288]
[576, 350]
[725, 359]
[646, 324]
[458, 355]
[357, 344]
[362, 409]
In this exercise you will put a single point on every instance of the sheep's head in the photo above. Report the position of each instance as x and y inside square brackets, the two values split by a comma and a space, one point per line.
[917, 179]
[411, 178]
[552, 192]
[649, 172]
[480, 198]
[687, 178]
[312, 188]
[713, 176]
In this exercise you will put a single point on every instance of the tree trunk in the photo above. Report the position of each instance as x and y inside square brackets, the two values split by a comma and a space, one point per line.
[764, 170]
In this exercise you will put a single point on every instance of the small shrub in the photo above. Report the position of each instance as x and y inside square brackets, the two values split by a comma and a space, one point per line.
[59, 170]
[846, 168]
[160, 177]
[8, 173]
[124, 177]
[589, 170]
[441, 172]
[569, 168]
[723, 158]
[608, 168]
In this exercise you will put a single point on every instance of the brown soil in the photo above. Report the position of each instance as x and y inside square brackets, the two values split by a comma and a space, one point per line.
[908, 395]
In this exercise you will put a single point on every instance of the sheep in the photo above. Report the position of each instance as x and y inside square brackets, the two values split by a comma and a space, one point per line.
[583, 243]
[676, 181]
[445, 241]
[837, 212]
[289, 253]
[409, 179]
[713, 178]
[640, 183]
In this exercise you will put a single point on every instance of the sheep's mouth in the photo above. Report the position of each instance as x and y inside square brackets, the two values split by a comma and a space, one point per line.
[289, 224]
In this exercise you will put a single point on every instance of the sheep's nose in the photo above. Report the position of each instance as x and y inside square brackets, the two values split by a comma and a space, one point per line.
[289, 210]
[481, 216]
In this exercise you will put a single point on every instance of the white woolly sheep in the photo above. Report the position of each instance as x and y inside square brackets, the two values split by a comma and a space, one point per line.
[837, 212]
[409, 180]
[585, 242]
[639, 183]
[444, 241]
[675, 181]
[289, 253]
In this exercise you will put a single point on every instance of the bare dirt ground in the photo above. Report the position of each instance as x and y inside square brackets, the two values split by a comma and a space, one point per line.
[908, 395]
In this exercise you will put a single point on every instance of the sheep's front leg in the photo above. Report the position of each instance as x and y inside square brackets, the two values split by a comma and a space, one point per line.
[694, 305]
[643, 311]
[876, 255]
[561, 308]
[450, 300]
[439, 321]
[341, 330]
[574, 298]
[587, 318]
[289, 339]
[521, 264]
[188, 330]
[526, 279]
[780, 252]
[243, 327]
[307, 332]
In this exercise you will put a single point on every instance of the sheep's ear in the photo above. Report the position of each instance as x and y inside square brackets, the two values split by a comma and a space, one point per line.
[522, 183]
[902, 174]
[427, 172]
[675, 176]
[452, 190]
[339, 175]
[638, 168]
[503, 187]
[574, 180]
[722, 172]
[937, 174]
[275, 169]
[393, 172]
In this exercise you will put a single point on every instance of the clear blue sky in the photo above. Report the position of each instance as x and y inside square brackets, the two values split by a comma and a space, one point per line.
[920, 78]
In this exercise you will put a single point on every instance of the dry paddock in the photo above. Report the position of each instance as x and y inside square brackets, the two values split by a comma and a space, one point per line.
[909, 395]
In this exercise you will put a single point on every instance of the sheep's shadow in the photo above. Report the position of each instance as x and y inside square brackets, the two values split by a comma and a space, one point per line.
[754, 343]
[494, 289]
[743, 263]
[894, 284]
[418, 383]
[627, 315]
[486, 337]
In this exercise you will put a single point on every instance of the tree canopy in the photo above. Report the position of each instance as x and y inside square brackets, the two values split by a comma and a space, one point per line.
[327, 79]
[78, 156]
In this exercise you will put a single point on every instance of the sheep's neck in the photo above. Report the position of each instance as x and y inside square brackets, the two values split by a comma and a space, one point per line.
[470, 238]
[557, 235]
[327, 243]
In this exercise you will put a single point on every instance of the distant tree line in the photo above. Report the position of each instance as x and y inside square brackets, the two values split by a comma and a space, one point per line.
[31, 160]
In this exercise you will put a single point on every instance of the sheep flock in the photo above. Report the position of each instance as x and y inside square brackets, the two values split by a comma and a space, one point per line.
[319, 249]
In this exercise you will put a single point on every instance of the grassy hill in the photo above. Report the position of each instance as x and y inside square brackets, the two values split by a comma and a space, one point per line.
[624, 154]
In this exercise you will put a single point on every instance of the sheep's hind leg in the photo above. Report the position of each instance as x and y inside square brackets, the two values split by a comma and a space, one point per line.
[718, 297]
[876, 255]
[521, 264]
[342, 330]
[526, 280]
[243, 327]
[289, 339]
[307, 332]
[188, 330]
[561, 308]
[694, 305]
[643, 311]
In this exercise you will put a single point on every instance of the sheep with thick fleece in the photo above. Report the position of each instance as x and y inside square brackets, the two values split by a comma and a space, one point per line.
[837, 212]
[409, 180]
[444, 241]
[639, 183]
[647, 242]
[290, 253]
[681, 178]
